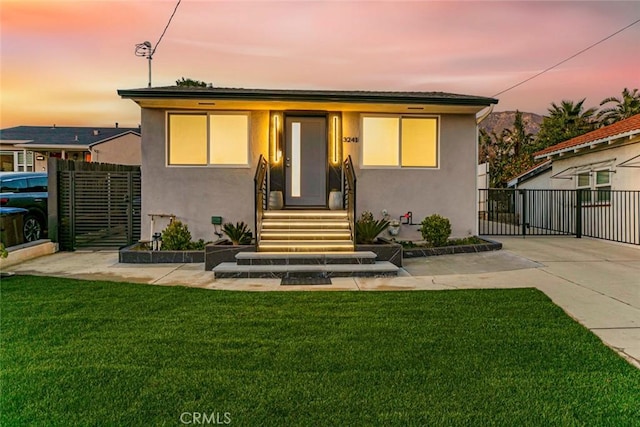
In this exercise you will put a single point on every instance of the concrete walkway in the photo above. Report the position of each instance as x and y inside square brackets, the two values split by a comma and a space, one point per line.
[594, 281]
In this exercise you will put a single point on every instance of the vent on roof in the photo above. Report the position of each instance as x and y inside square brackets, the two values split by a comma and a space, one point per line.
[76, 138]
[96, 132]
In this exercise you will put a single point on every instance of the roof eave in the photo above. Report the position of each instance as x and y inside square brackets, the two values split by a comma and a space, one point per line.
[364, 97]
[574, 148]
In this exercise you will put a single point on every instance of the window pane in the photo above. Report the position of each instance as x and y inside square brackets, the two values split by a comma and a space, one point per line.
[604, 194]
[187, 139]
[602, 177]
[16, 185]
[380, 145]
[419, 142]
[229, 135]
[583, 180]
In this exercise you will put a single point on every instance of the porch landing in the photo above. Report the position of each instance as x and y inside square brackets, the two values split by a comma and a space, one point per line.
[305, 264]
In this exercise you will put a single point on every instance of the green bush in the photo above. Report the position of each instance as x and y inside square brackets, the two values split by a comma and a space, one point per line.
[239, 234]
[176, 237]
[367, 228]
[436, 230]
[3, 251]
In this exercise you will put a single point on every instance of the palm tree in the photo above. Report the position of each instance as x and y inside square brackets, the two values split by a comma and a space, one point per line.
[627, 106]
[565, 121]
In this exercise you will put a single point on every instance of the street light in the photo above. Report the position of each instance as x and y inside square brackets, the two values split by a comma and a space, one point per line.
[144, 50]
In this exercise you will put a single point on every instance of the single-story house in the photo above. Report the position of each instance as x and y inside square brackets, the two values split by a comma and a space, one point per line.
[411, 152]
[27, 148]
[605, 166]
[607, 158]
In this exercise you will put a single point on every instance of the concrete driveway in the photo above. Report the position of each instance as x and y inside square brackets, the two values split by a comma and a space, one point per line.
[596, 282]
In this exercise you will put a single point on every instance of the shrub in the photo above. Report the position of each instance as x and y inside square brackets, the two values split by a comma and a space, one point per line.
[239, 234]
[367, 228]
[176, 237]
[3, 251]
[436, 230]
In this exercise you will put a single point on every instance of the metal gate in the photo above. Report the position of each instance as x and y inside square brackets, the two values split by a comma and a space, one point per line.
[603, 214]
[98, 206]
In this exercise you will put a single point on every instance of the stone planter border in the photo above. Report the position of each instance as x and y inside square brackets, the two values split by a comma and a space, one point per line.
[490, 245]
[216, 253]
[132, 255]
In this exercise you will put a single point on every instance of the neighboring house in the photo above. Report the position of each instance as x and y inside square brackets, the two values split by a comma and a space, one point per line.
[605, 165]
[411, 152]
[607, 158]
[27, 148]
[535, 178]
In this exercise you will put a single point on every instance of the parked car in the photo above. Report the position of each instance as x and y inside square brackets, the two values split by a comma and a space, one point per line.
[27, 190]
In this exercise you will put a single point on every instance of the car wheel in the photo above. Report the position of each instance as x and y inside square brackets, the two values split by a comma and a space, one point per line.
[32, 228]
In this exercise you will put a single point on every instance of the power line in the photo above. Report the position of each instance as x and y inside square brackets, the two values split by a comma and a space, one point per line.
[165, 29]
[565, 60]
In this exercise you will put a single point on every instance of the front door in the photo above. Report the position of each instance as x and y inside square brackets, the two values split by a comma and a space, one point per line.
[305, 161]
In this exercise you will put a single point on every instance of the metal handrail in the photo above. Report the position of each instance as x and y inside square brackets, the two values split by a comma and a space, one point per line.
[260, 199]
[349, 183]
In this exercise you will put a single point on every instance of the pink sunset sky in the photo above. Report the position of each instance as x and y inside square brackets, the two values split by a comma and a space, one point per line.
[63, 61]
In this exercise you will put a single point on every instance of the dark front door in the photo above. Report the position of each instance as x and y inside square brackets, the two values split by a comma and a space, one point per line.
[306, 161]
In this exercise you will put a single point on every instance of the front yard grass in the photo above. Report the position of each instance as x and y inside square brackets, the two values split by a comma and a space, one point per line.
[101, 353]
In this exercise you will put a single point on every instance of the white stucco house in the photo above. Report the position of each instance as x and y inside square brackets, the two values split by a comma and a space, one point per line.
[605, 165]
[244, 154]
[607, 158]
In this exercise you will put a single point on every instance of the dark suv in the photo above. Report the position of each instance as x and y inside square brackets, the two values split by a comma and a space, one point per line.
[27, 190]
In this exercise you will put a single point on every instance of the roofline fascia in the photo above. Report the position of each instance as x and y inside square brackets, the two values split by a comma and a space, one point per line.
[102, 141]
[550, 154]
[53, 146]
[309, 97]
[540, 169]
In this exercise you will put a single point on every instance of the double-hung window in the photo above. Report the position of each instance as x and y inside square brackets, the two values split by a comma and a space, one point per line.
[400, 141]
[597, 184]
[208, 139]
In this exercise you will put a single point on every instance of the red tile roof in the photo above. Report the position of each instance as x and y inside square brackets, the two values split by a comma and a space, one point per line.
[599, 135]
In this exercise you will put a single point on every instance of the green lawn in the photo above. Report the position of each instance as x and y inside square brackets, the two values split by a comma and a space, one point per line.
[101, 353]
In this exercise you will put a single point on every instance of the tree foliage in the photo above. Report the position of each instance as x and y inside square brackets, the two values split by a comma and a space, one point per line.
[565, 121]
[511, 153]
[623, 108]
[190, 83]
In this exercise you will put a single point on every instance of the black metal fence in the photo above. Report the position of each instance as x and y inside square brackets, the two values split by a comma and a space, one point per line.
[93, 204]
[603, 214]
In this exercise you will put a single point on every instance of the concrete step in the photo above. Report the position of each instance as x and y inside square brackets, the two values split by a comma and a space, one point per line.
[230, 270]
[305, 214]
[306, 234]
[305, 245]
[305, 258]
[305, 224]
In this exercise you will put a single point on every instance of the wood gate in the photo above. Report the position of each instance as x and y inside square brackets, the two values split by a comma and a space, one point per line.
[93, 205]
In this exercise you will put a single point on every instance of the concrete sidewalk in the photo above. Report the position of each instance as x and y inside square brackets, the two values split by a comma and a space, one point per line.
[596, 282]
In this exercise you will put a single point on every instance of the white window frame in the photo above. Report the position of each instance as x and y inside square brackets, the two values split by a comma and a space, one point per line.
[593, 186]
[208, 130]
[438, 119]
[27, 164]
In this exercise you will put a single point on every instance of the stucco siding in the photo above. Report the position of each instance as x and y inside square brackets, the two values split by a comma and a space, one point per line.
[123, 150]
[624, 178]
[538, 182]
[449, 190]
[195, 194]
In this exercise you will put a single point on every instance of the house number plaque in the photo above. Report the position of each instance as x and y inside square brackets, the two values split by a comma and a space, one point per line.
[350, 139]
